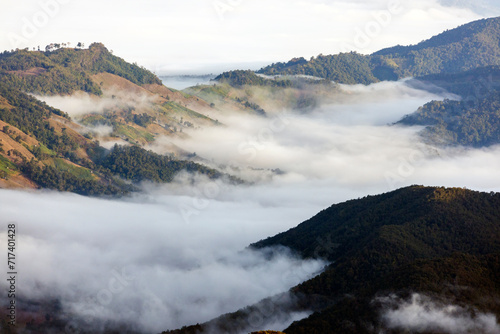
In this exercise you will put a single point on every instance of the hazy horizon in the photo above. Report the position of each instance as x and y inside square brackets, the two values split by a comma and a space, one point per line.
[197, 36]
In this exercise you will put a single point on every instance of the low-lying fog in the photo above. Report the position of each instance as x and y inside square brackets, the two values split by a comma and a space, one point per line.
[174, 254]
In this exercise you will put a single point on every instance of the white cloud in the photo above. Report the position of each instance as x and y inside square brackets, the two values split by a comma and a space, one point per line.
[108, 259]
[422, 314]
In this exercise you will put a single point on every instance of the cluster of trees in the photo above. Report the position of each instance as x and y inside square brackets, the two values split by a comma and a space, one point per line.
[32, 117]
[469, 85]
[467, 47]
[137, 164]
[412, 239]
[239, 78]
[53, 178]
[251, 105]
[140, 119]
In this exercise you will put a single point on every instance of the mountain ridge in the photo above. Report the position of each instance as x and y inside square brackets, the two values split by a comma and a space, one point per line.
[466, 47]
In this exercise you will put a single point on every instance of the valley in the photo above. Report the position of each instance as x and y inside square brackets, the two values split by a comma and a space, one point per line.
[347, 193]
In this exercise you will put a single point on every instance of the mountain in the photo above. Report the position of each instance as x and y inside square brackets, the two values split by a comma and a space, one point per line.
[347, 68]
[42, 146]
[244, 91]
[469, 46]
[472, 121]
[434, 247]
[67, 70]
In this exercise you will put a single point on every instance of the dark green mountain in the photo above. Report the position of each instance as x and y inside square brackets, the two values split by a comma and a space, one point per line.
[467, 47]
[443, 243]
[469, 85]
[473, 121]
[347, 68]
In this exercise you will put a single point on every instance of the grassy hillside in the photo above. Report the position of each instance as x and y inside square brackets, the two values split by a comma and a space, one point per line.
[40, 147]
[443, 243]
[472, 45]
[245, 91]
[67, 70]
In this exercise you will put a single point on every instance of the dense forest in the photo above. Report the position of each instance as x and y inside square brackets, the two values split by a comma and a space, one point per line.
[467, 47]
[466, 123]
[137, 164]
[346, 68]
[441, 242]
[239, 78]
[473, 121]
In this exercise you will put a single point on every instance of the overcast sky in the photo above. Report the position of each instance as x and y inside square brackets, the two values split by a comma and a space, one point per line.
[207, 35]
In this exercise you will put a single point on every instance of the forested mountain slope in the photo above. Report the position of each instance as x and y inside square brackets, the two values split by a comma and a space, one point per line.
[469, 46]
[438, 245]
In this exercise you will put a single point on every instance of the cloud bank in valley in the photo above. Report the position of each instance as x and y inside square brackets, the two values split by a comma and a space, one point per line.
[139, 263]
[81, 103]
[349, 144]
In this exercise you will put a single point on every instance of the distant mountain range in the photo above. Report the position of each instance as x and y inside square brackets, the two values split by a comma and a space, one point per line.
[464, 61]
[467, 47]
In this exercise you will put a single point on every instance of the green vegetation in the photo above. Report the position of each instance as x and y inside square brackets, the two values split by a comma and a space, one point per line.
[72, 180]
[346, 68]
[441, 242]
[467, 123]
[465, 48]
[76, 171]
[130, 133]
[473, 121]
[399, 241]
[66, 70]
[240, 78]
[32, 117]
[137, 164]
[470, 85]
[469, 46]
[7, 168]
[93, 172]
